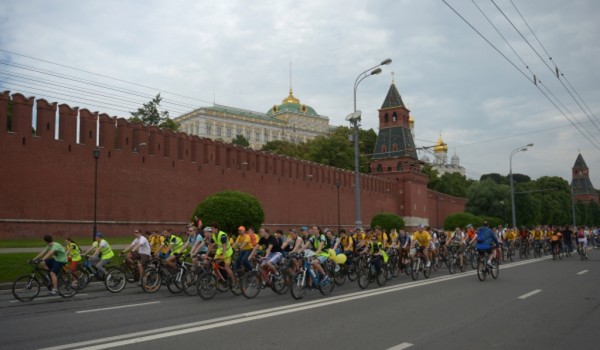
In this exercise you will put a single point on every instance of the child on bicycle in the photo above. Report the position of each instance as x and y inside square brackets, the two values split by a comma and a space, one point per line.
[53, 259]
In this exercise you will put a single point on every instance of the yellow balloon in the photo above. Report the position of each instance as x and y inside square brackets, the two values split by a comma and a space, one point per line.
[332, 254]
[341, 259]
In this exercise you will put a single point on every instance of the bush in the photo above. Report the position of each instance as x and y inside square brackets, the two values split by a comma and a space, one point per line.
[492, 221]
[387, 221]
[230, 209]
[461, 220]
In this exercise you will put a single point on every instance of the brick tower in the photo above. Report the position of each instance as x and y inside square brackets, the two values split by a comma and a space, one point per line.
[583, 190]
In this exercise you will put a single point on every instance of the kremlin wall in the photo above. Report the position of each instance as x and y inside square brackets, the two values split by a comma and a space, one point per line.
[153, 179]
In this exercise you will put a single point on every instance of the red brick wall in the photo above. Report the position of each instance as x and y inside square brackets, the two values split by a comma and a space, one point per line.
[152, 178]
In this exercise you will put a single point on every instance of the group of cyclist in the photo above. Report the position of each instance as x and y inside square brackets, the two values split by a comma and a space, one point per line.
[202, 241]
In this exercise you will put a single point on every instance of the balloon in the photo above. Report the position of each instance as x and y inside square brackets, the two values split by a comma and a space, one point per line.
[331, 254]
[341, 259]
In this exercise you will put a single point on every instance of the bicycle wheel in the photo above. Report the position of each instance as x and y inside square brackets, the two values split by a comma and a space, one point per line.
[298, 286]
[427, 270]
[281, 284]
[408, 267]
[474, 261]
[363, 277]
[327, 283]
[352, 272]
[495, 269]
[452, 265]
[83, 277]
[26, 288]
[66, 285]
[395, 266]
[415, 269]
[340, 276]
[175, 282]
[250, 284]
[207, 286]
[115, 280]
[382, 276]
[151, 280]
[481, 270]
[130, 274]
[189, 283]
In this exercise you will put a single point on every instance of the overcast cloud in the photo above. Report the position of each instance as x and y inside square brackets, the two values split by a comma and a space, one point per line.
[238, 53]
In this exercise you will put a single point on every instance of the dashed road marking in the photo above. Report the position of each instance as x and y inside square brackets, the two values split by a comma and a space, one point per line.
[525, 296]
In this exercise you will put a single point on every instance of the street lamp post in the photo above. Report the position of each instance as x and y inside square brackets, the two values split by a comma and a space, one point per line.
[96, 154]
[355, 120]
[512, 189]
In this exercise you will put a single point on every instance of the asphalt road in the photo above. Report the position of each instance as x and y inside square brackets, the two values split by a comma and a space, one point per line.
[535, 304]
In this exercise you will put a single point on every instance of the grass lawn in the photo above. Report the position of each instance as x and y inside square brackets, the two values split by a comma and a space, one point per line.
[35, 243]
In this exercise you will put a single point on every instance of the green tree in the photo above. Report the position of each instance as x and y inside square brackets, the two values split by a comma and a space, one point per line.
[497, 178]
[461, 220]
[387, 221]
[240, 140]
[230, 209]
[331, 150]
[150, 115]
[454, 184]
[487, 198]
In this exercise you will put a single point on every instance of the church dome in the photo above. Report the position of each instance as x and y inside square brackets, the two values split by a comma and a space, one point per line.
[293, 105]
[440, 146]
[411, 120]
[425, 159]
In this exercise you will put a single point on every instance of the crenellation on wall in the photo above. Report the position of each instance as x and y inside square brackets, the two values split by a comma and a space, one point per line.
[46, 119]
[87, 127]
[4, 99]
[67, 123]
[108, 131]
[22, 115]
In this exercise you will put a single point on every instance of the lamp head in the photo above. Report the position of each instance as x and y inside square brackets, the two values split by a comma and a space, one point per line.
[96, 153]
[530, 145]
[386, 61]
[375, 71]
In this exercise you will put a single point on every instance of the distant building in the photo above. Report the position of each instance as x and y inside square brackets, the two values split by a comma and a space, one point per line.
[440, 159]
[583, 190]
[289, 121]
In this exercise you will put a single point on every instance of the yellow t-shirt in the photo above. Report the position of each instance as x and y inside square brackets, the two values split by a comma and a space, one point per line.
[243, 242]
[537, 235]
[423, 237]
[155, 242]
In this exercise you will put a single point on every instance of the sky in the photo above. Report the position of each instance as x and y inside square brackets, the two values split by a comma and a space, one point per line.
[476, 90]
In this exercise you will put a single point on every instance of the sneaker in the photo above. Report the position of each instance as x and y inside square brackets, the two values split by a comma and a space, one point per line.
[53, 292]
[489, 262]
[428, 264]
[337, 268]
[139, 283]
[325, 280]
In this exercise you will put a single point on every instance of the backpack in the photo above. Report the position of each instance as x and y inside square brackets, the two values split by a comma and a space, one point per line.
[253, 240]
[580, 234]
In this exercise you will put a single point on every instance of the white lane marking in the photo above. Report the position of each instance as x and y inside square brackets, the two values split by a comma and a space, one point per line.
[527, 295]
[151, 334]
[401, 346]
[116, 307]
[582, 272]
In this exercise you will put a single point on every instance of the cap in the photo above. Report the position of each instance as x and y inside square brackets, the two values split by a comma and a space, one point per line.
[98, 234]
[293, 230]
[304, 228]
[242, 228]
[420, 225]
[207, 229]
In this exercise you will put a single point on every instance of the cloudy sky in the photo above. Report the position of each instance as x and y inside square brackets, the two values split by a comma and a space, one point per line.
[238, 53]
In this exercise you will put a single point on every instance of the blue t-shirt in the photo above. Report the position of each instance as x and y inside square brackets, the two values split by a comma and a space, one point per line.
[485, 238]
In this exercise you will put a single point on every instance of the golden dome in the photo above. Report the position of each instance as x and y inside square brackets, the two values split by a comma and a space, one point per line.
[411, 120]
[290, 99]
[440, 146]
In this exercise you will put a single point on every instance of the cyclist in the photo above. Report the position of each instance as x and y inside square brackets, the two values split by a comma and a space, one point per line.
[423, 238]
[582, 241]
[53, 259]
[457, 241]
[294, 245]
[224, 250]
[471, 235]
[100, 253]
[556, 241]
[347, 243]
[73, 255]
[381, 236]
[174, 249]
[377, 252]
[538, 237]
[318, 242]
[243, 245]
[156, 240]
[201, 246]
[333, 241]
[568, 238]
[273, 252]
[139, 250]
[485, 238]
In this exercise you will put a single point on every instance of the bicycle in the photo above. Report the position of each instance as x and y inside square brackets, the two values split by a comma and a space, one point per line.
[537, 249]
[216, 279]
[155, 275]
[307, 279]
[557, 250]
[114, 280]
[419, 265]
[368, 273]
[483, 268]
[582, 251]
[27, 287]
[453, 260]
[176, 281]
[258, 278]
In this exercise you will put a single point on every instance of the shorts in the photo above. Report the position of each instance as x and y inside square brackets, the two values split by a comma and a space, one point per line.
[274, 258]
[322, 258]
[143, 259]
[482, 251]
[163, 255]
[54, 265]
[226, 260]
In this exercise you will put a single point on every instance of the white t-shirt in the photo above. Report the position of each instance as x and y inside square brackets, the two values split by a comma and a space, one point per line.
[144, 247]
